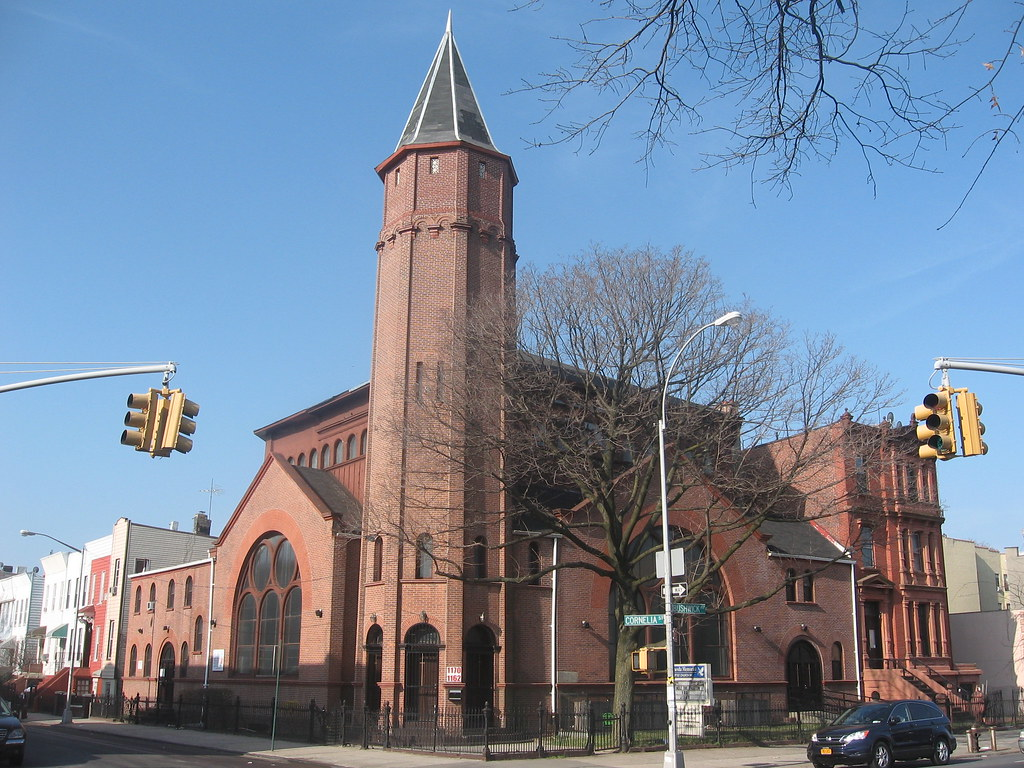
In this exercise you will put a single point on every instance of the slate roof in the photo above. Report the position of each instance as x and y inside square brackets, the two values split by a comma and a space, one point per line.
[337, 498]
[446, 109]
[797, 538]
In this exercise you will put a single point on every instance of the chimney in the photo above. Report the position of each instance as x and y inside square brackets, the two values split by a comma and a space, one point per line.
[201, 524]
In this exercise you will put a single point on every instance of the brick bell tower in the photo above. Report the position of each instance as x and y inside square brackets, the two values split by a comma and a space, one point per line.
[446, 243]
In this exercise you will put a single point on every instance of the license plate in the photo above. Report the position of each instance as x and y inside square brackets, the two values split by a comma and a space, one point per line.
[826, 751]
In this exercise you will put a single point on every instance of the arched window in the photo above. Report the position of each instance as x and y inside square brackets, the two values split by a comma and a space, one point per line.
[422, 647]
[183, 668]
[268, 610]
[327, 456]
[424, 556]
[790, 586]
[314, 459]
[138, 599]
[170, 595]
[133, 661]
[478, 558]
[187, 597]
[152, 597]
[374, 666]
[197, 635]
[378, 558]
[302, 459]
[352, 447]
[147, 662]
[362, 443]
[808, 583]
[339, 451]
[837, 662]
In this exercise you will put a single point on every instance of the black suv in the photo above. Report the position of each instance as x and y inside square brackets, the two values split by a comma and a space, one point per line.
[878, 733]
[12, 735]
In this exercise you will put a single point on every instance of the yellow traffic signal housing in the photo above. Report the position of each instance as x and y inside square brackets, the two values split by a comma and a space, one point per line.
[971, 428]
[144, 419]
[935, 425]
[176, 423]
[650, 661]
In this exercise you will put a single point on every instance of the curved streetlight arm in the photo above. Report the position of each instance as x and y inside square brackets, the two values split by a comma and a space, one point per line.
[66, 718]
[673, 757]
[51, 538]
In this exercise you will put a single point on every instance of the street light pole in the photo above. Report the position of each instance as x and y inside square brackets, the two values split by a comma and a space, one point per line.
[673, 757]
[66, 717]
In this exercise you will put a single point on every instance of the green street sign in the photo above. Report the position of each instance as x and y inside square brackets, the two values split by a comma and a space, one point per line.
[689, 608]
[644, 619]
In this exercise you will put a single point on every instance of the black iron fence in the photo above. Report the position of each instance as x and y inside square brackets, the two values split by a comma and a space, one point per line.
[582, 728]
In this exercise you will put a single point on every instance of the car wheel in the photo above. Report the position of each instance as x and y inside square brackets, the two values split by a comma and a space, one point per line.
[881, 755]
[940, 753]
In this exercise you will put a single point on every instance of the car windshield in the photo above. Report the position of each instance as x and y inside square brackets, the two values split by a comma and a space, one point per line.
[874, 713]
[5, 708]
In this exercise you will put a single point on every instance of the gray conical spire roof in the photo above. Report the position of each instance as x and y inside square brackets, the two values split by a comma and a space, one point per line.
[446, 109]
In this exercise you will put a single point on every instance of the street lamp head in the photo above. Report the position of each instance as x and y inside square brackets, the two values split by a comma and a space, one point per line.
[729, 318]
[27, 533]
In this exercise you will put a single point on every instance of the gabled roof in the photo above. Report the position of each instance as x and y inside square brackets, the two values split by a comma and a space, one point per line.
[446, 109]
[331, 499]
[334, 496]
[797, 539]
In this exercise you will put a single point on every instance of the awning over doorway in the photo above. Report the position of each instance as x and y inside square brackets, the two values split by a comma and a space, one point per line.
[58, 632]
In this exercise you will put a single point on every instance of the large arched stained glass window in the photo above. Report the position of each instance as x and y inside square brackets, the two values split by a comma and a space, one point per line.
[268, 610]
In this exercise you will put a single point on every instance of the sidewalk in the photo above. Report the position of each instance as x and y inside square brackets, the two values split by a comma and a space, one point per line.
[354, 757]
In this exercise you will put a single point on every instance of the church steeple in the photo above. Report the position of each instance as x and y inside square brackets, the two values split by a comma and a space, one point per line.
[446, 109]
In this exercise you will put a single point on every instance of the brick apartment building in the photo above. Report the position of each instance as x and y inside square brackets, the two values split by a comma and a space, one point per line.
[311, 592]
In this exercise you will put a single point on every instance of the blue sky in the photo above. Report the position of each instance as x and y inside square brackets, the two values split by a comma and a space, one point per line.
[193, 181]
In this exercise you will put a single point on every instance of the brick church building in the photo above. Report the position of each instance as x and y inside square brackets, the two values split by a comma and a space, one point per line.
[307, 588]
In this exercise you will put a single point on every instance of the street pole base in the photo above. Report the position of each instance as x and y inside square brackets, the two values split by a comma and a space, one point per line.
[673, 759]
[66, 717]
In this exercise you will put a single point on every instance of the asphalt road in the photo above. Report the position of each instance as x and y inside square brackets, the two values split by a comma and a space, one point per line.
[55, 746]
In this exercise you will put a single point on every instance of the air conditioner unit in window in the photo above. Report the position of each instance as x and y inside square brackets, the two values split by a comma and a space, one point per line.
[151, 606]
[113, 590]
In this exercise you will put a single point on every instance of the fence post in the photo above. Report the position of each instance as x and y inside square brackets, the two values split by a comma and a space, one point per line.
[136, 719]
[366, 725]
[387, 725]
[591, 725]
[312, 714]
[624, 726]
[177, 718]
[433, 743]
[487, 730]
[540, 730]
[238, 711]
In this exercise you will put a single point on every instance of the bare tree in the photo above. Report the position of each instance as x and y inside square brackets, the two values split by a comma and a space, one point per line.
[555, 412]
[781, 82]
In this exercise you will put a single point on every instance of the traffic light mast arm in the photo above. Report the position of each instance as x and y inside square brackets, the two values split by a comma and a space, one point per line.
[168, 369]
[945, 363]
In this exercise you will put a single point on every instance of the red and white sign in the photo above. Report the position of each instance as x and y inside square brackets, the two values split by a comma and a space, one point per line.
[453, 674]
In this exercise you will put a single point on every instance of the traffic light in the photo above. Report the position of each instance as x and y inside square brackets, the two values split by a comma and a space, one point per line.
[176, 423]
[935, 425]
[144, 420]
[971, 428]
[650, 661]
